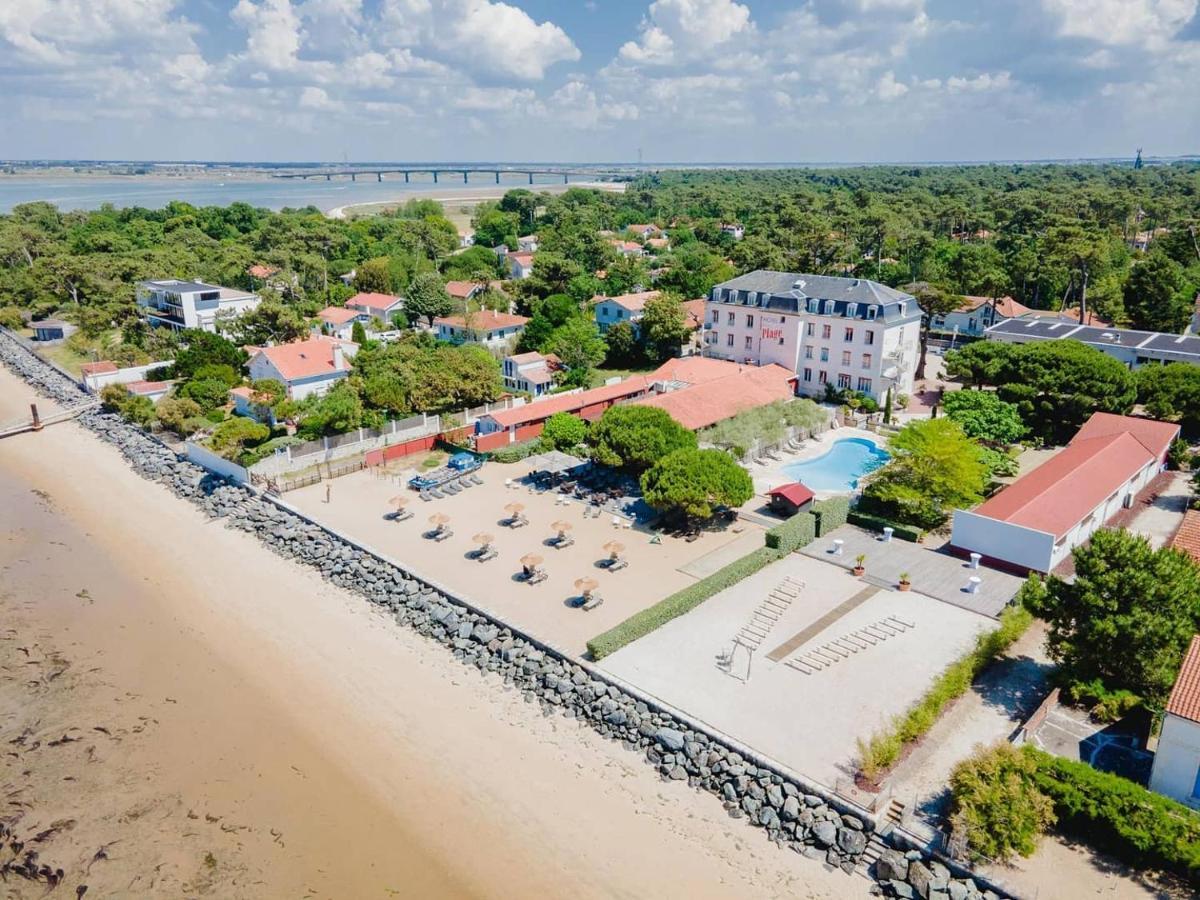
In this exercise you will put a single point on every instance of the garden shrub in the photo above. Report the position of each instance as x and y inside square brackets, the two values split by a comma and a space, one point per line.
[517, 452]
[830, 514]
[798, 531]
[878, 523]
[996, 803]
[1119, 816]
[879, 753]
[642, 623]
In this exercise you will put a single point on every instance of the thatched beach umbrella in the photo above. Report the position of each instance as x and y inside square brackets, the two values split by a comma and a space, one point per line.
[615, 548]
[585, 586]
[561, 527]
[399, 501]
[439, 519]
[515, 509]
[531, 560]
[484, 539]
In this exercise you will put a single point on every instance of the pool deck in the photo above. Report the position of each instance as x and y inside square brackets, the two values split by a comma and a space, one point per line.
[771, 475]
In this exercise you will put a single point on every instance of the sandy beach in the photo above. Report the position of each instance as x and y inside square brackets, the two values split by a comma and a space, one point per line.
[459, 205]
[186, 714]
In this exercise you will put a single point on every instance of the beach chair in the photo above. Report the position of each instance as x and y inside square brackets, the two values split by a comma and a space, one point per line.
[434, 492]
[403, 514]
[487, 553]
[440, 536]
[565, 541]
[426, 496]
[591, 602]
[475, 479]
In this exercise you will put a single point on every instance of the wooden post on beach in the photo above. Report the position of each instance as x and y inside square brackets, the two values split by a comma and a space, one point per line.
[37, 420]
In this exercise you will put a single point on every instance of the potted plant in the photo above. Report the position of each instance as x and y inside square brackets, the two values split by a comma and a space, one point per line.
[859, 568]
[905, 584]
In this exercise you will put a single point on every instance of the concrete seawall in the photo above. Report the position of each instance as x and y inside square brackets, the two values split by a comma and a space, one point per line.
[788, 810]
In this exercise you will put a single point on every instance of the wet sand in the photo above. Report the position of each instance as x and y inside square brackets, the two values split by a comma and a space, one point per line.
[236, 727]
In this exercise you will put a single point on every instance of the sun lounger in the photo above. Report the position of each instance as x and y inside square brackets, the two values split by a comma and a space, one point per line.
[475, 479]
[485, 555]
[442, 535]
[592, 602]
[565, 541]
[434, 492]
[426, 496]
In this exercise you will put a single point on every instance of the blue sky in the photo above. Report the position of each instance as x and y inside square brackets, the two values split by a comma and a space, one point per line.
[580, 80]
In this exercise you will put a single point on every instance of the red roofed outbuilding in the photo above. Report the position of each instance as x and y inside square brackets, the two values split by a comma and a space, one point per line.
[1035, 522]
[789, 499]
[1176, 769]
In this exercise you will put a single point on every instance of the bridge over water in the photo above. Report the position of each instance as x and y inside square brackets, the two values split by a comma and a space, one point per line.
[454, 171]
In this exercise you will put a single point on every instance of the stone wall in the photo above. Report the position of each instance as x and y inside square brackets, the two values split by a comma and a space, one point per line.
[789, 813]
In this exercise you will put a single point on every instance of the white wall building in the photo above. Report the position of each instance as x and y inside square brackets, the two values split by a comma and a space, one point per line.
[978, 314]
[192, 304]
[1133, 348]
[532, 373]
[1176, 769]
[492, 329]
[622, 308]
[305, 367]
[848, 332]
[1035, 522]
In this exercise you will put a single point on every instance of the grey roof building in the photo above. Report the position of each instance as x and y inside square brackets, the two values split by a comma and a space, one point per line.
[1134, 348]
[848, 333]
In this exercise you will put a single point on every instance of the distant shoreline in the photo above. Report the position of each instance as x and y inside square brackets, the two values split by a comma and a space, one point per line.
[476, 195]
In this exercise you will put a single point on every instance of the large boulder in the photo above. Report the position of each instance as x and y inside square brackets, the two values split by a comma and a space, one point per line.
[825, 833]
[919, 877]
[852, 842]
[891, 866]
[670, 739]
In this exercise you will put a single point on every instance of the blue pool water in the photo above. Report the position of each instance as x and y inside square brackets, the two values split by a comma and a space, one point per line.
[839, 469]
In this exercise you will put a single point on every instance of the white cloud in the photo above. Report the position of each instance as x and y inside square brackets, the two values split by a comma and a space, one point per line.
[315, 98]
[980, 83]
[676, 31]
[889, 88]
[61, 31]
[273, 32]
[495, 40]
[1136, 22]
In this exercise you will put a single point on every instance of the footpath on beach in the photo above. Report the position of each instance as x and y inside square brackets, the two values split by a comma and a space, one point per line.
[790, 812]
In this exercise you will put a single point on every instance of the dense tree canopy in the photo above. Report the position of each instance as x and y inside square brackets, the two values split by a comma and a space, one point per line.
[984, 416]
[1172, 393]
[693, 483]
[635, 437]
[1125, 619]
[935, 469]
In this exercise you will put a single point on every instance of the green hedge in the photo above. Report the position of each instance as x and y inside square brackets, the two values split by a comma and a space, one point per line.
[1119, 816]
[517, 452]
[831, 514]
[798, 531]
[875, 523]
[879, 753]
[654, 617]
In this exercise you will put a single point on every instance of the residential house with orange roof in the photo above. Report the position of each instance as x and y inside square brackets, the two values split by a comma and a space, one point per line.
[1175, 772]
[531, 372]
[306, 368]
[485, 326]
[977, 314]
[464, 290]
[628, 248]
[622, 308]
[338, 321]
[376, 306]
[520, 265]
[644, 231]
[718, 390]
[1035, 522]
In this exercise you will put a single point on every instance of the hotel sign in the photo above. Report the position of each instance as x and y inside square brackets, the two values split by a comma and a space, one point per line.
[772, 334]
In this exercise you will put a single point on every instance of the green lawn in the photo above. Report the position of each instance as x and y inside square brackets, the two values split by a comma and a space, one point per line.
[601, 375]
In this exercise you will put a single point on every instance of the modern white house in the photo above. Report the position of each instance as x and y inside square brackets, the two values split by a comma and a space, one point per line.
[628, 248]
[978, 314]
[1176, 769]
[850, 333]
[1133, 348]
[306, 367]
[622, 308]
[527, 244]
[532, 373]
[487, 327]
[1035, 522]
[734, 230]
[192, 304]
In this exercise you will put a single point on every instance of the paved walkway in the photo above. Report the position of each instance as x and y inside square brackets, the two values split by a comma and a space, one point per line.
[998, 703]
[1159, 519]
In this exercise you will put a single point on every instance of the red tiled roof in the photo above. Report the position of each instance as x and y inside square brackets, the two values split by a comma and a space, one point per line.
[1005, 306]
[484, 320]
[522, 358]
[1187, 538]
[1099, 461]
[367, 301]
[1155, 436]
[338, 315]
[696, 369]
[1185, 696]
[658, 243]
[632, 302]
[625, 245]
[795, 492]
[261, 271]
[642, 229]
[97, 368]
[525, 258]
[147, 387]
[304, 359]
[1067, 315]
[543, 409]
[242, 391]
[707, 402]
[461, 289]
[695, 313]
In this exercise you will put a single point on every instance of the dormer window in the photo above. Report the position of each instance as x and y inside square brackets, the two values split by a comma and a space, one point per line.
[812, 305]
[828, 308]
[851, 310]
[871, 311]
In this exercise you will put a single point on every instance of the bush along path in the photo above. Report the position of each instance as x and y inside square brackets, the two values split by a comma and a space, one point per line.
[792, 815]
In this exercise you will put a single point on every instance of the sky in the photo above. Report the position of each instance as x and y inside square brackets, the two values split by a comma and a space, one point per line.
[598, 80]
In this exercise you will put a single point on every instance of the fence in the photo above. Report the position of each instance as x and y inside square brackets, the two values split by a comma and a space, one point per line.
[31, 347]
[283, 485]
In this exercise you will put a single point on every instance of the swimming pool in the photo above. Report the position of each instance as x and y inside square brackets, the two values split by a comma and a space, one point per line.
[839, 469]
